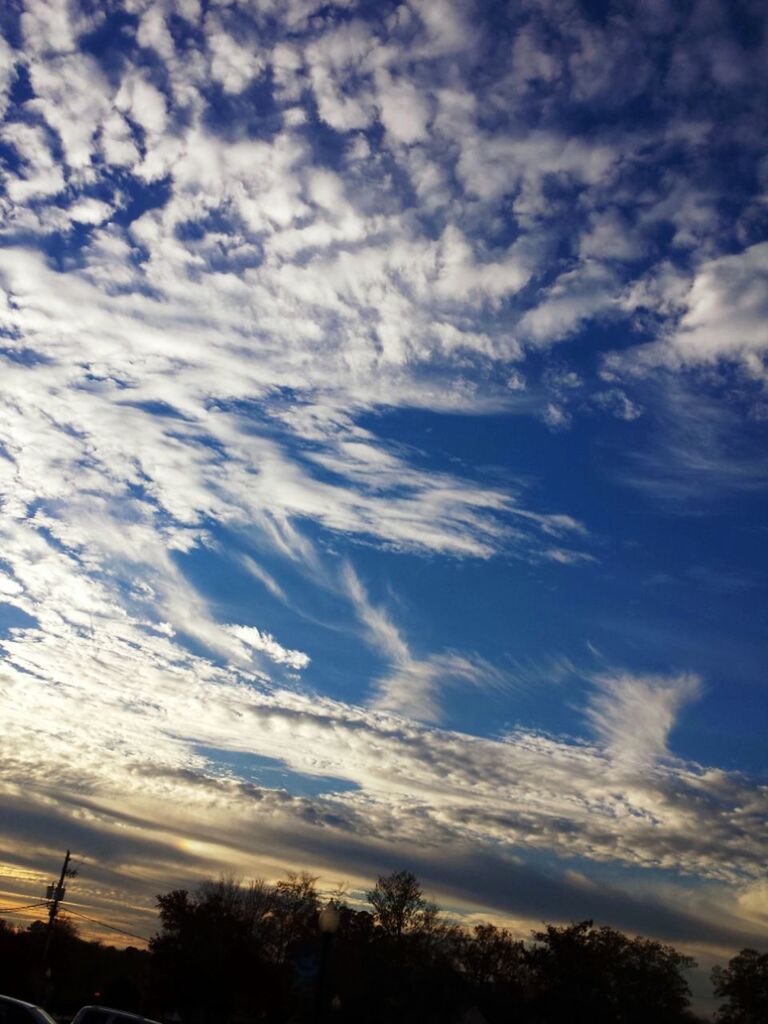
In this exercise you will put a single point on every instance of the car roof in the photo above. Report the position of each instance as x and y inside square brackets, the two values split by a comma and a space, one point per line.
[19, 1002]
[38, 1010]
[122, 1013]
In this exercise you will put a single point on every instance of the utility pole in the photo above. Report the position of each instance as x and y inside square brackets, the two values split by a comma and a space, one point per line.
[55, 895]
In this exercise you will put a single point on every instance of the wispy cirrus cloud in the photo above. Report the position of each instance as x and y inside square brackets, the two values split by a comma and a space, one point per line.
[634, 715]
[413, 686]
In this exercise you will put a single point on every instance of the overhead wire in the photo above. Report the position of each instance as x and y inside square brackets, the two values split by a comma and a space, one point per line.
[28, 906]
[103, 924]
[76, 913]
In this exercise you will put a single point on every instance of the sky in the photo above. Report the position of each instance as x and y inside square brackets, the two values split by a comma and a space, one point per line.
[383, 467]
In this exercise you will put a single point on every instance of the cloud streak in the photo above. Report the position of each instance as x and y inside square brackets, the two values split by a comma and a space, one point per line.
[413, 685]
[633, 715]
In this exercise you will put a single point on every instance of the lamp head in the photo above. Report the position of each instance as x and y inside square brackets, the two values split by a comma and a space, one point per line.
[328, 919]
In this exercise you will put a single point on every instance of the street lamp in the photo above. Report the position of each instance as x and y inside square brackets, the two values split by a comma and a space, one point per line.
[328, 919]
[328, 922]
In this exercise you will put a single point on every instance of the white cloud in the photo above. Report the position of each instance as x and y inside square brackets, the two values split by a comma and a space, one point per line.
[154, 32]
[48, 26]
[261, 574]
[117, 141]
[381, 629]
[618, 404]
[611, 237]
[695, 456]
[565, 557]
[556, 416]
[448, 28]
[7, 74]
[415, 688]
[39, 174]
[532, 60]
[233, 65]
[725, 312]
[404, 109]
[334, 58]
[143, 102]
[101, 650]
[493, 165]
[586, 291]
[260, 641]
[753, 900]
[719, 314]
[73, 96]
[633, 715]
[90, 211]
[461, 276]
[157, 705]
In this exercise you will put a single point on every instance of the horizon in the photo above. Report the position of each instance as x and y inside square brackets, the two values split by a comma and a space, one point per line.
[383, 468]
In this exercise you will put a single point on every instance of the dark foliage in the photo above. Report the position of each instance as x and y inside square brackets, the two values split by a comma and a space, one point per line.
[398, 903]
[228, 953]
[234, 953]
[80, 971]
[743, 984]
[598, 976]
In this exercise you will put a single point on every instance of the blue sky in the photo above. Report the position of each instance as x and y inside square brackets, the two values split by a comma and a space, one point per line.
[383, 417]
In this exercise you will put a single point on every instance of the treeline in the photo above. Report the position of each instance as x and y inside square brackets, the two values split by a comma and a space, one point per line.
[76, 969]
[233, 952]
[228, 953]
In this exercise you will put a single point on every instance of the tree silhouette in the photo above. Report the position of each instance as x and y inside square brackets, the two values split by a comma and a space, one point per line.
[204, 952]
[228, 953]
[398, 903]
[744, 986]
[78, 968]
[491, 956]
[599, 976]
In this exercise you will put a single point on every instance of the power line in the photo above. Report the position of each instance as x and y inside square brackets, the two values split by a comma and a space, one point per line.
[28, 906]
[93, 920]
[103, 924]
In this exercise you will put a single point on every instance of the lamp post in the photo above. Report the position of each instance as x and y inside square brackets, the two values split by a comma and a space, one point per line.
[328, 923]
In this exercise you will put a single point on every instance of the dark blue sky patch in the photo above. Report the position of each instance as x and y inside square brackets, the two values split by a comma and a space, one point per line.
[186, 35]
[64, 249]
[219, 221]
[140, 197]
[601, 600]
[328, 146]
[12, 617]
[22, 355]
[21, 87]
[9, 159]
[273, 774]
[157, 408]
[251, 114]
[598, 11]
[151, 65]
[112, 42]
[745, 19]
[10, 22]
